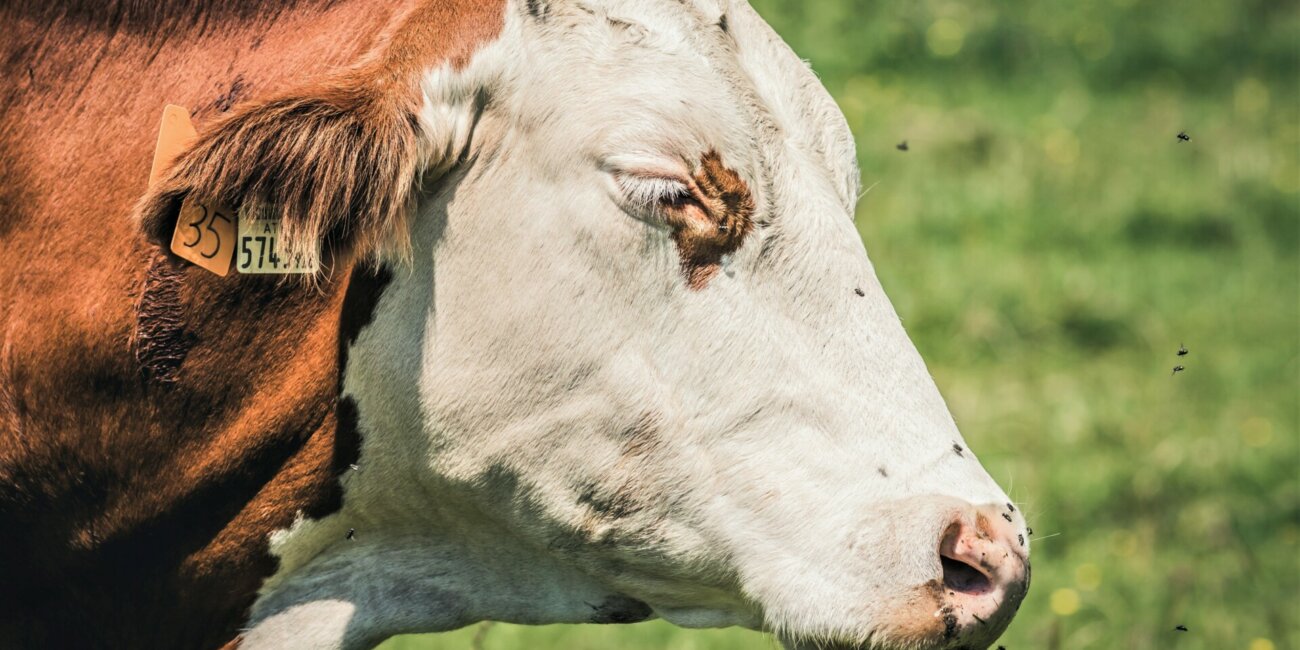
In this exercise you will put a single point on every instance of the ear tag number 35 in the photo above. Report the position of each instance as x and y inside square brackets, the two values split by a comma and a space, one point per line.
[205, 235]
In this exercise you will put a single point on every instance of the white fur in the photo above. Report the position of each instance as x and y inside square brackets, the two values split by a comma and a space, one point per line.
[540, 323]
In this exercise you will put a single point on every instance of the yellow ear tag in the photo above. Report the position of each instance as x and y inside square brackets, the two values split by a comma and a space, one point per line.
[205, 234]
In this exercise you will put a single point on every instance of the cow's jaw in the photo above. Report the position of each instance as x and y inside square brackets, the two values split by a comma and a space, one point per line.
[565, 420]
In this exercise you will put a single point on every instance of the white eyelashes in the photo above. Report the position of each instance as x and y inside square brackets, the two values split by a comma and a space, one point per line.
[648, 186]
[651, 192]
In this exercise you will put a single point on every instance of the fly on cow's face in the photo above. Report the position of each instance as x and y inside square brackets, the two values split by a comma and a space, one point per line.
[1182, 136]
[860, 292]
[1177, 369]
[352, 534]
[1007, 517]
[354, 467]
[1182, 350]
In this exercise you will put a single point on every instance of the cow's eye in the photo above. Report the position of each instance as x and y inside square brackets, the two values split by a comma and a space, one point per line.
[650, 189]
[653, 192]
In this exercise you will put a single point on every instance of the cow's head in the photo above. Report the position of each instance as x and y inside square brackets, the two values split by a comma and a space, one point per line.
[633, 359]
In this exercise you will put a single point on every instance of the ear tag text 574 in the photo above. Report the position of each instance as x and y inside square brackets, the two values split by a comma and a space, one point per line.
[260, 248]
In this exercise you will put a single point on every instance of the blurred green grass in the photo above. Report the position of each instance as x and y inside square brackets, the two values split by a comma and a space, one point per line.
[1049, 243]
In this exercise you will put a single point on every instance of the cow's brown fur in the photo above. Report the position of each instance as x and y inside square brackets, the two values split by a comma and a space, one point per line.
[157, 422]
[715, 223]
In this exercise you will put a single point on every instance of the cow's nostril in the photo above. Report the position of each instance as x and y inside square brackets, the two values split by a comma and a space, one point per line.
[985, 574]
[964, 578]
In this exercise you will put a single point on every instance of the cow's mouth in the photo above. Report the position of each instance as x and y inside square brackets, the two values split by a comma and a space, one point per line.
[963, 578]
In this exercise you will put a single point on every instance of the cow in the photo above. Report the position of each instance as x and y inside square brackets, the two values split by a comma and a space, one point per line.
[587, 335]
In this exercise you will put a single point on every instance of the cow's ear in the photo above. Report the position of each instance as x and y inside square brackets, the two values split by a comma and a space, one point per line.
[337, 166]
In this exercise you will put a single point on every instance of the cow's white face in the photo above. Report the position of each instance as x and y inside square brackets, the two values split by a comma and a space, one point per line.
[591, 398]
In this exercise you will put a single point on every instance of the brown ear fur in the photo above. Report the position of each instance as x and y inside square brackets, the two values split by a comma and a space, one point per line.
[337, 165]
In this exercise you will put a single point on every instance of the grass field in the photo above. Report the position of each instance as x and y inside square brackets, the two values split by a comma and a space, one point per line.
[1050, 243]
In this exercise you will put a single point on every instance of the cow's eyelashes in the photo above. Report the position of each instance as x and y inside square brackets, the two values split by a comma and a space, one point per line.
[680, 199]
[647, 192]
[654, 196]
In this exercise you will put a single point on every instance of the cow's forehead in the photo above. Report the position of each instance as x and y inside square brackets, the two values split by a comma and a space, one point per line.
[639, 63]
[681, 78]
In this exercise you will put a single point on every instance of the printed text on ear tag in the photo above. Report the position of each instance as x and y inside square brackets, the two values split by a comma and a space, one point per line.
[261, 249]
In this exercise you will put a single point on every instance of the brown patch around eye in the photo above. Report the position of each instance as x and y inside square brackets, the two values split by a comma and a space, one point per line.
[715, 223]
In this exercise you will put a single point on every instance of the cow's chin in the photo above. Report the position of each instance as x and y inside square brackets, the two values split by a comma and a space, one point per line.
[932, 616]
[908, 644]
[934, 631]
